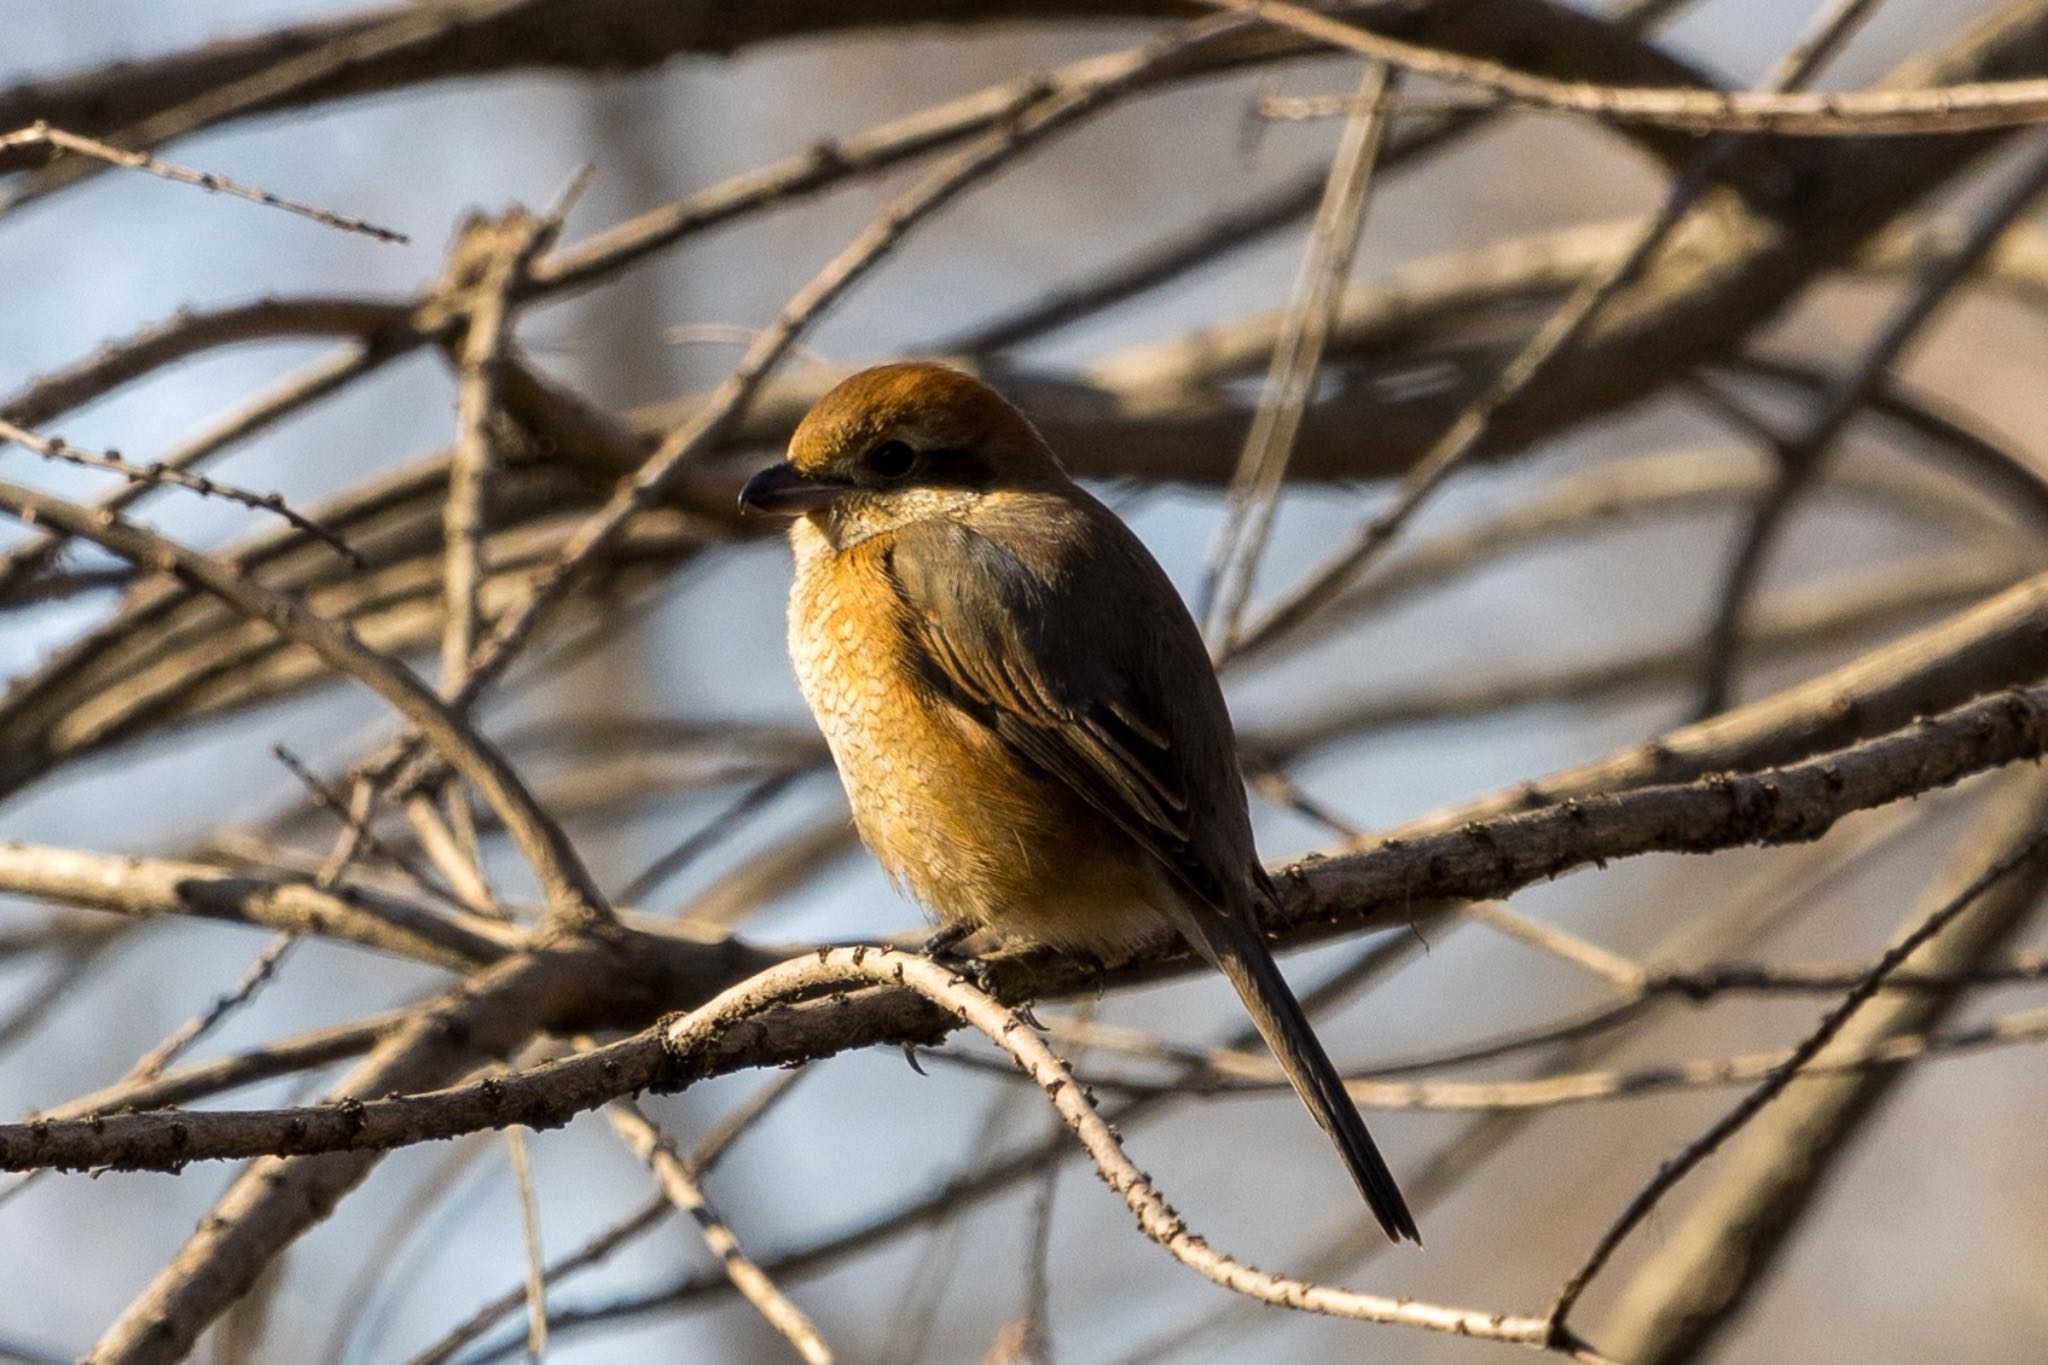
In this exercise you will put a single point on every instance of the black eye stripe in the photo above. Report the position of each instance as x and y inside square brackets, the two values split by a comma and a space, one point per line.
[955, 469]
[948, 466]
[892, 459]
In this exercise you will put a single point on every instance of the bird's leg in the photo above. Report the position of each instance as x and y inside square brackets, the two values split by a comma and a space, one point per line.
[939, 947]
[944, 949]
[1097, 965]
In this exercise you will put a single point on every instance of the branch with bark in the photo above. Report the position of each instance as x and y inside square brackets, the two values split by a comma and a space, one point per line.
[554, 524]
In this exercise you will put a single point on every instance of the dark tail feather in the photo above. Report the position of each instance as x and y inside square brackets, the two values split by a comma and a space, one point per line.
[1235, 949]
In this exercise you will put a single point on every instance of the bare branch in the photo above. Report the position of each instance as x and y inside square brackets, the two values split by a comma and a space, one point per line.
[529, 1222]
[1800, 457]
[680, 1184]
[563, 878]
[154, 475]
[1790, 804]
[43, 135]
[1942, 110]
[1690, 1287]
[1671, 1172]
[1240, 540]
[162, 886]
[1560, 334]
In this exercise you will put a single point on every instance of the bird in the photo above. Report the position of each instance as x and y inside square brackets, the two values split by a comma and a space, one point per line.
[1029, 729]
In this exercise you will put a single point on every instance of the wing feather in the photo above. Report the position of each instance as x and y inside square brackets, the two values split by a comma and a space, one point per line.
[1017, 640]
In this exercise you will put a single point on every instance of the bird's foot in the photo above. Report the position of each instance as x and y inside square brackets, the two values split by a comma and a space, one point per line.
[939, 947]
[944, 949]
[1097, 967]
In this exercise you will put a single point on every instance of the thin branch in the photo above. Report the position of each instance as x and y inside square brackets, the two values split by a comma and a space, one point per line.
[498, 254]
[700, 1161]
[1616, 496]
[596, 1251]
[564, 880]
[1734, 1231]
[354, 814]
[155, 475]
[2000, 641]
[188, 333]
[324, 377]
[1560, 334]
[1254, 493]
[1560, 943]
[151, 1064]
[1174, 256]
[282, 1058]
[75, 962]
[1841, 609]
[728, 820]
[1721, 978]
[1156, 1219]
[424, 1220]
[1238, 1072]
[275, 1200]
[43, 135]
[833, 161]
[1671, 1172]
[1152, 266]
[915, 1311]
[163, 886]
[408, 29]
[529, 1222]
[355, 837]
[1801, 457]
[679, 1183]
[1775, 109]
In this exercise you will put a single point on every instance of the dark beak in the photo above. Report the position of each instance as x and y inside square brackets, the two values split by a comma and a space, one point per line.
[780, 490]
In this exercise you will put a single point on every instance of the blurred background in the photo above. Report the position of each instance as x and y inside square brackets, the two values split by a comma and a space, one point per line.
[1926, 1239]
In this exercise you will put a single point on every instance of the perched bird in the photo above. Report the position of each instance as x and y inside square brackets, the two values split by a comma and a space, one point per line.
[1020, 706]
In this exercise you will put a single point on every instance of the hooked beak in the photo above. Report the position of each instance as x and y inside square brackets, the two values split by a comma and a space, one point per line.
[779, 490]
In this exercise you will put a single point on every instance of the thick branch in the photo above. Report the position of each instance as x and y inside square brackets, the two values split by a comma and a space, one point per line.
[1784, 805]
[415, 44]
[163, 886]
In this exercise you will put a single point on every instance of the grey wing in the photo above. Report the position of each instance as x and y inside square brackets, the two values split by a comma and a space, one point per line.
[1068, 642]
[1074, 649]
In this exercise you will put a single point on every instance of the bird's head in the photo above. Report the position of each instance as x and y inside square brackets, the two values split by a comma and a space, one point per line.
[897, 443]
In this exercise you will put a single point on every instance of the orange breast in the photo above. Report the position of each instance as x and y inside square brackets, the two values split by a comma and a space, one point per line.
[952, 815]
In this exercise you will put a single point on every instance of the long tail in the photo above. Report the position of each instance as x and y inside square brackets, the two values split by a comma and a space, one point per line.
[1233, 946]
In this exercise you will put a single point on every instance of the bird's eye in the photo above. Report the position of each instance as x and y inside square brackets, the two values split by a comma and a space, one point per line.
[891, 459]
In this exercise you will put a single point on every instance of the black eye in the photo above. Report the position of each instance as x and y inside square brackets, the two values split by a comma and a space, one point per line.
[891, 459]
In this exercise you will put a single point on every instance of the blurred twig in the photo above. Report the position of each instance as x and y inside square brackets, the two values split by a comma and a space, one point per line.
[153, 475]
[57, 140]
[1800, 457]
[1240, 541]
[1928, 925]
[679, 1183]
